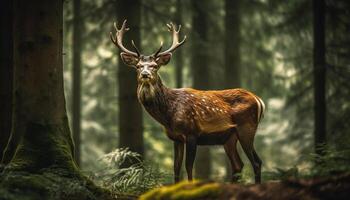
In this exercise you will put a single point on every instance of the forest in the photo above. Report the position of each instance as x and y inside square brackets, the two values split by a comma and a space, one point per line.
[89, 109]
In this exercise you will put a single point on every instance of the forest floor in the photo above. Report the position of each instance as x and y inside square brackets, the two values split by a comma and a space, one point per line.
[57, 184]
[337, 187]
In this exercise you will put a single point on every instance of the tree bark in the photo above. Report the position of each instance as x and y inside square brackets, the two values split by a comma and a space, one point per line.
[130, 112]
[40, 124]
[76, 106]
[6, 72]
[200, 73]
[319, 72]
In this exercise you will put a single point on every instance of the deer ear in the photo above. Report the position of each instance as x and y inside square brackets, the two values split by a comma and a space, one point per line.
[163, 59]
[129, 59]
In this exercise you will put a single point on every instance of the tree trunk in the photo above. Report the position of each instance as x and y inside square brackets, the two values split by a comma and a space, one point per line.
[232, 45]
[76, 109]
[40, 123]
[43, 166]
[130, 112]
[200, 73]
[232, 70]
[319, 75]
[6, 72]
[179, 57]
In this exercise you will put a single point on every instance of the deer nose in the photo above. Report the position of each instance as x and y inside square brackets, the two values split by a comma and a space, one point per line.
[144, 74]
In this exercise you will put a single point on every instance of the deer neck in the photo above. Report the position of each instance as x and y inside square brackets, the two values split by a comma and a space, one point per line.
[155, 99]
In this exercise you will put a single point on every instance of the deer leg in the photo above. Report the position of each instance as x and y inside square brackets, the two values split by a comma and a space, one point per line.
[178, 154]
[191, 148]
[236, 163]
[258, 160]
[246, 138]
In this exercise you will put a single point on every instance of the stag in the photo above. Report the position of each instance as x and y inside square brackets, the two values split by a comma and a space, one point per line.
[195, 117]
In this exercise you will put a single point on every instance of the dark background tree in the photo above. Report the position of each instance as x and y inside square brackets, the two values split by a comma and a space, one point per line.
[6, 72]
[179, 55]
[232, 44]
[76, 93]
[130, 112]
[319, 72]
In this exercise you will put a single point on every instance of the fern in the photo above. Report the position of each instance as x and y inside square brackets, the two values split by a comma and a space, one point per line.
[135, 179]
[332, 162]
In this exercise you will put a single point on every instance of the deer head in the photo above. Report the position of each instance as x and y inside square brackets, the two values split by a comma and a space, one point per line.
[146, 66]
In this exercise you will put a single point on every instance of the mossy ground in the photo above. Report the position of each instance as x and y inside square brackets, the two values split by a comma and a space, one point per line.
[54, 184]
[337, 187]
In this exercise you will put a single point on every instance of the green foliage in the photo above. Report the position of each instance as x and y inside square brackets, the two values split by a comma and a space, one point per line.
[134, 179]
[332, 162]
[281, 174]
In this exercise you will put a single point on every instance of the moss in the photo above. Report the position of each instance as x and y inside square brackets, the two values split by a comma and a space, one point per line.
[44, 146]
[183, 191]
[205, 191]
[48, 185]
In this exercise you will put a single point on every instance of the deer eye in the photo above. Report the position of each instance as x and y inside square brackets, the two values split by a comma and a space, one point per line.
[154, 67]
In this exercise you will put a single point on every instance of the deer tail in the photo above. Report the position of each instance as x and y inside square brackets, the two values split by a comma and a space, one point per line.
[261, 108]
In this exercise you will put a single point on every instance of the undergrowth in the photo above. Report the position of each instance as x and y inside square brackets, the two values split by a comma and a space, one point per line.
[142, 176]
[332, 162]
[134, 179]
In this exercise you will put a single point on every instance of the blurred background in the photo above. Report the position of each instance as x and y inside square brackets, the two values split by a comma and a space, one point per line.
[269, 47]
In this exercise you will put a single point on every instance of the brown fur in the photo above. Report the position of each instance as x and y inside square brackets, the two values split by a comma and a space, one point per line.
[188, 111]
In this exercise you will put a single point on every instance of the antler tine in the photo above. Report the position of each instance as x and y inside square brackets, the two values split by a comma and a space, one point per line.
[176, 43]
[118, 39]
[169, 26]
[160, 48]
[136, 49]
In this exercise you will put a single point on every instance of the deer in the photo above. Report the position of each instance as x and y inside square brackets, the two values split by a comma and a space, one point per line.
[194, 117]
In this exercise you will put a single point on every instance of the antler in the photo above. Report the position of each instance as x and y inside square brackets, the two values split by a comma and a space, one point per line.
[118, 39]
[176, 43]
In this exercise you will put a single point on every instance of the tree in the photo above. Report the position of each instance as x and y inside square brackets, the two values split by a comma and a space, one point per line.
[319, 72]
[76, 107]
[200, 73]
[43, 165]
[338, 57]
[232, 44]
[40, 121]
[130, 112]
[179, 57]
[6, 73]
